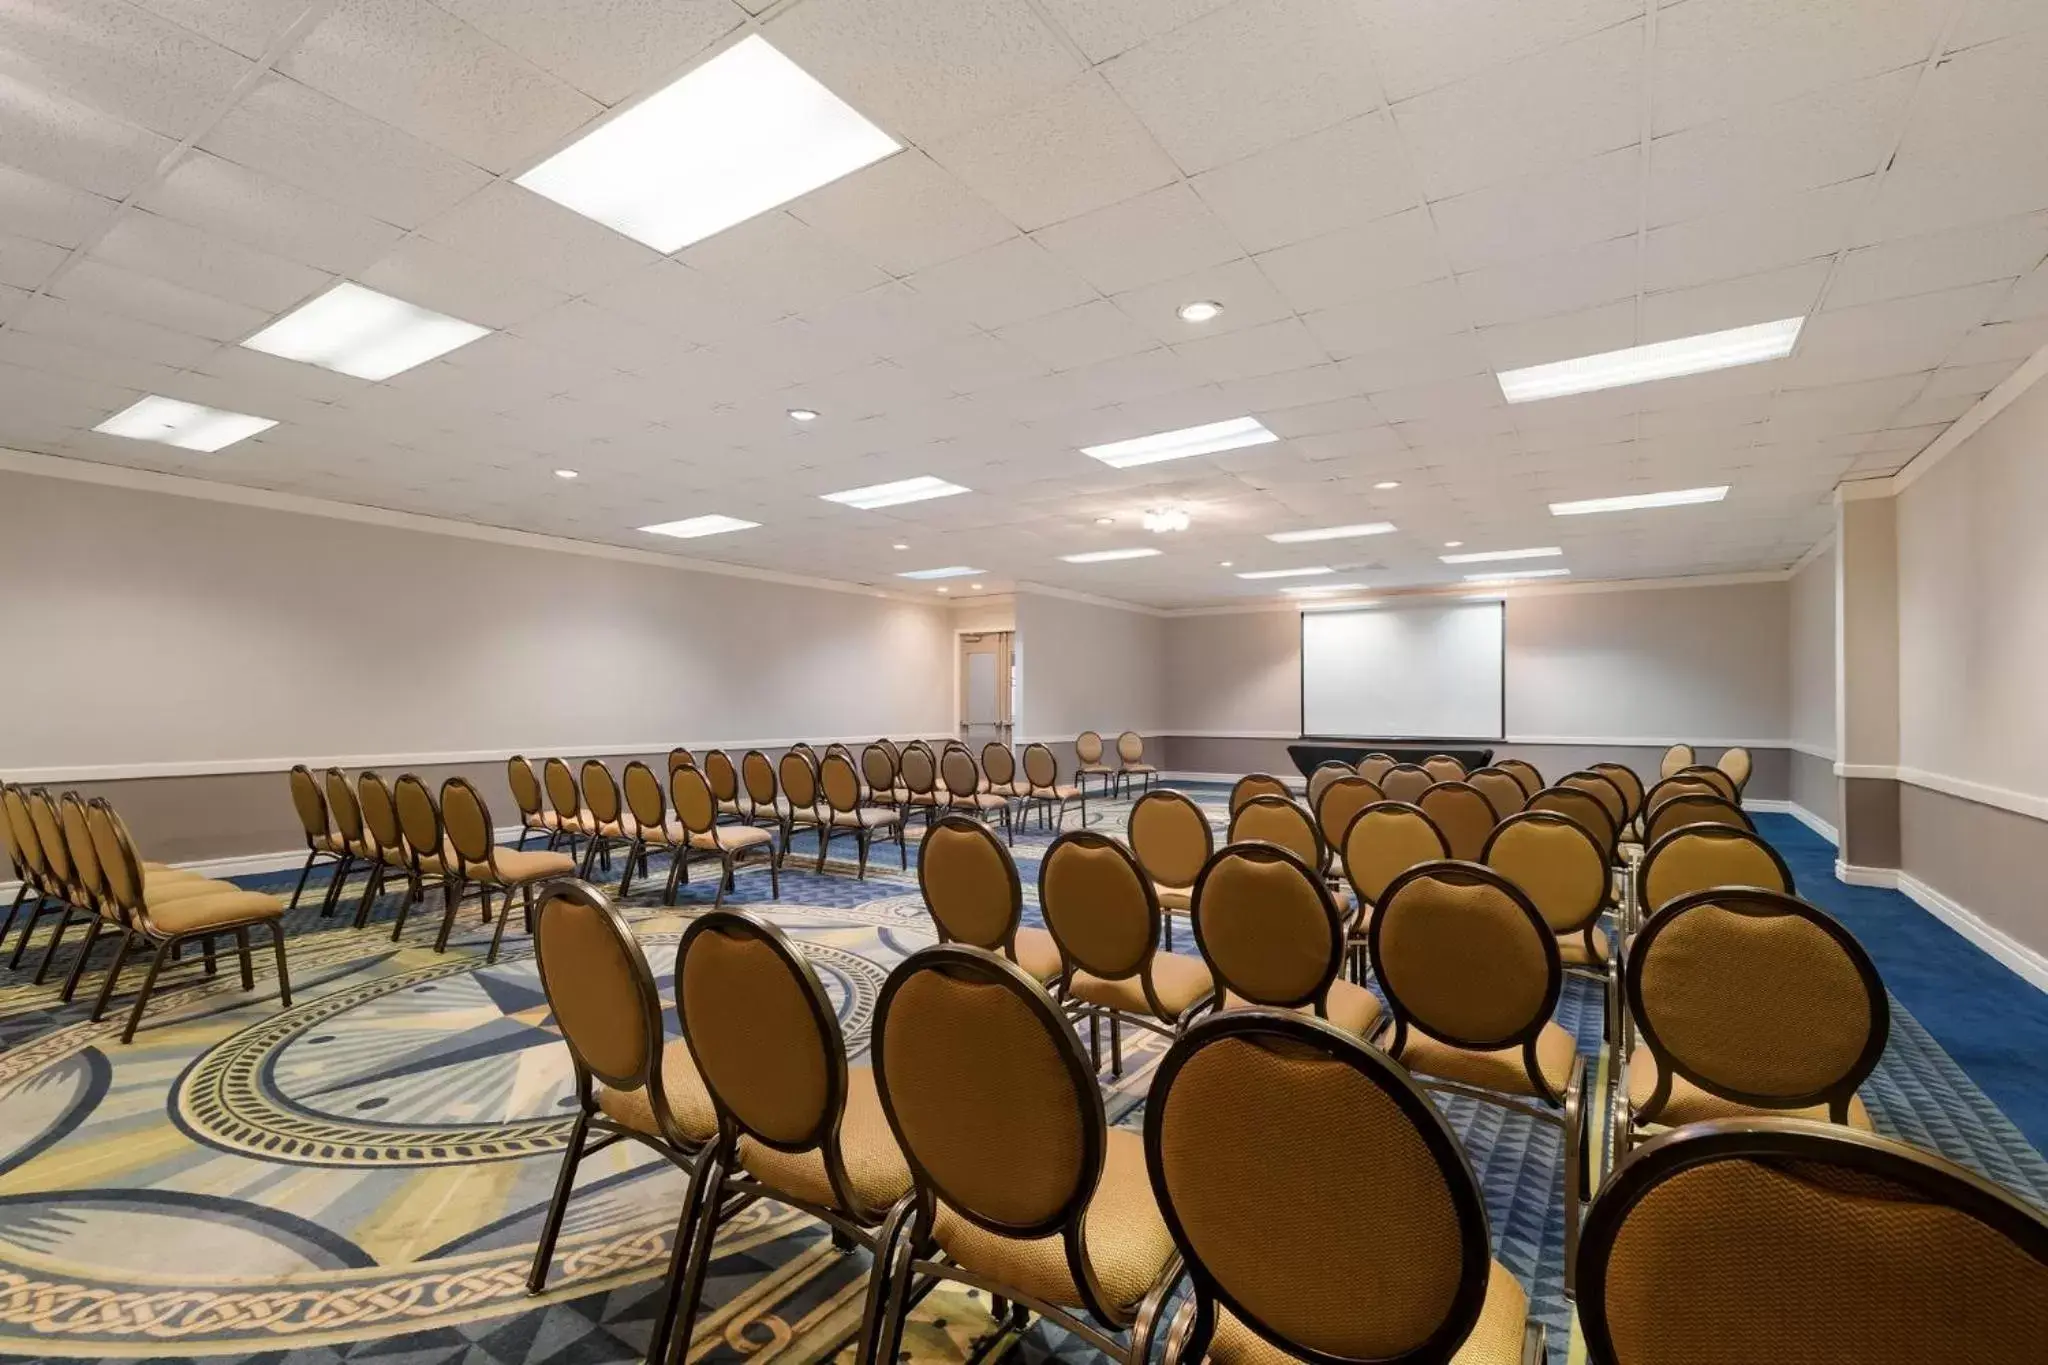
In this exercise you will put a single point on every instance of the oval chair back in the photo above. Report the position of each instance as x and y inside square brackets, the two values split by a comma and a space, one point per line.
[1383, 841]
[601, 795]
[1715, 778]
[1088, 747]
[1757, 998]
[920, 771]
[1130, 747]
[343, 805]
[1464, 815]
[1406, 782]
[879, 768]
[645, 799]
[1626, 782]
[88, 878]
[766, 1040]
[1443, 768]
[799, 781]
[419, 820]
[696, 808]
[1780, 1239]
[562, 794]
[26, 847]
[380, 815]
[958, 772]
[1604, 790]
[1405, 1231]
[466, 822]
[1678, 784]
[519, 776]
[121, 874]
[1267, 927]
[1281, 820]
[1588, 810]
[1322, 777]
[839, 784]
[1339, 805]
[1373, 767]
[311, 807]
[603, 996]
[1563, 871]
[680, 758]
[1502, 790]
[1465, 958]
[757, 775]
[1257, 784]
[723, 777]
[1676, 758]
[42, 810]
[970, 884]
[1523, 772]
[1696, 857]
[1099, 906]
[1737, 763]
[1041, 768]
[1695, 808]
[895, 753]
[999, 765]
[1171, 838]
[1017, 1155]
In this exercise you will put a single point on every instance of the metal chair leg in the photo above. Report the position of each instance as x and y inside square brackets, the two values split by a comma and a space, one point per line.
[50, 948]
[99, 1004]
[551, 1226]
[248, 967]
[156, 964]
[304, 873]
[92, 934]
[284, 975]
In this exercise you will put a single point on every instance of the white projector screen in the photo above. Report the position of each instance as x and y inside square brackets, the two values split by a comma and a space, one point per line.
[1402, 672]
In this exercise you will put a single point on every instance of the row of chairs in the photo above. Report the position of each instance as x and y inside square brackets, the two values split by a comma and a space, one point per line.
[1316, 1203]
[76, 860]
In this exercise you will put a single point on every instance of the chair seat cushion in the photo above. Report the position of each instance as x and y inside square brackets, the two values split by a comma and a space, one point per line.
[1038, 954]
[1349, 1006]
[979, 801]
[732, 838]
[1177, 979]
[1571, 948]
[864, 817]
[157, 892]
[233, 906]
[1496, 1338]
[1499, 1069]
[1174, 897]
[689, 1103]
[1128, 1244]
[1690, 1104]
[1138, 768]
[1094, 768]
[153, 878]
[516, 868]
[875, 1168]
[1058, 792]
[541, 819]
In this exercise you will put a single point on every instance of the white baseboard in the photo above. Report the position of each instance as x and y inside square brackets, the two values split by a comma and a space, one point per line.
[2029, 964]
[1797, 812]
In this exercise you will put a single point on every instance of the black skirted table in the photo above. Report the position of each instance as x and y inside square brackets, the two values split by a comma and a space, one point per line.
[1308, 757]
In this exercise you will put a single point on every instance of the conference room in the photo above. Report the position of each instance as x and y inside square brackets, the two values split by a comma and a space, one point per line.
[1151, 680]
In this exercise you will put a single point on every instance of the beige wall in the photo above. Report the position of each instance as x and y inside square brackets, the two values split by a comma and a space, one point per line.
[1088, 667]
[1811, 661]
[1238, 674]
[176, 634]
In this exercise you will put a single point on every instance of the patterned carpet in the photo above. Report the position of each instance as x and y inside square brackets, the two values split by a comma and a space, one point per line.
[361, 1178]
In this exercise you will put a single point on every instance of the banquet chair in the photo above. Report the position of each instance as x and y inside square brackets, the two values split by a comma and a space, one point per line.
[1738, 764]
[653, 829]
[724, 777]
[697, 814]
[1695, 808]
[385, 839]
[841, 811]
[321, 840]
[1523, 772]
[1130, 752]
[1464, 815]
[1406, 782]
[1676, 758]
[1323, 776]
[1171, 839]
[605, 822]
[1273, 937]
[999, 771]
[1603, 789]
[1627, 783]
[963, 790]
[764, 798]
[1373, 766]
[1502, 789]
[347, 810]
[1714, 777]
[534, 818]
[1257, 784]
[878, 771]
[426, 852]
[474, 855]
[919, 774]
[65, 825]
[1088, 763]
[566, 802]
[1695, 857]
[1585, 809]
[970, 885]
[1283, 821]
[1443, 768]
[1338, 806]
[1381, 842]
[1045, 791]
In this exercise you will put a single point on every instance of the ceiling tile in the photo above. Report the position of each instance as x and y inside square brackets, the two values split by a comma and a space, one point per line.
[1102, 30]
[1716, 307]
[31, 206]
[1560, 336]
[903, 213]
[1568, 281]
[1984, 20]
[1588, 201]
[121, 60]
[2004, 249]
[1422, 46]
[1350, 264]
[608, 49]
[1417, 312]
[1972, 150]
[785, 261]
[1277, 346]
[674, 299]
[1446, 360]
[1002, 284]
[2000, 341]
[148, 299]
[60, 139]
[1247, 297]
[888, 320]
[1248, 76]
[2029, 298]
[79, 325]
[1351, 173]
[1755, 237]
[1550, 109]
[423, 271]
[206, 261]
[1141, 241]
[207, 192]
[1082, 335]
[537, 238]
[1899, 336]
[26, 263]
[245, 26]
[419, 67]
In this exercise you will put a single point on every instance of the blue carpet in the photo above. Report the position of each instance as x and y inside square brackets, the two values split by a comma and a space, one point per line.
[1992, 1022]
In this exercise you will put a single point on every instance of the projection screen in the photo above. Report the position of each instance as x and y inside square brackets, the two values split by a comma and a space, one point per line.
[1404, 672]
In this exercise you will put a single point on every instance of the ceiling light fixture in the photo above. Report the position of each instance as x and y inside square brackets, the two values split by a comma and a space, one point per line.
[566, 474]
[1661, 360]
[1201, 310]
[944, 589]
[1384, 484]
[1488, 556]
[188, 426]
[1163, 519]
[899, 545]
[950, 571]
[744, 132]
[1223, 563]
[1364, 528]
[1105, 556]
[1314, 589]
[691, 527]
[1209, 439]
[803, 414]
[1683, 497]
[1452, 544]
[1516, 576]
[1105, 521]
[1288, 573]
[356, 331]
[975, 586]
[893, 494]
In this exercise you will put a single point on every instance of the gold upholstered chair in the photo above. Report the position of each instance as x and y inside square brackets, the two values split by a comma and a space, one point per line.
[1523, 772]
[795, 1123]
[764, 803]
[1337, 807]
[801, 804]
[1443, 768]
[1406, 782]
[347, 811]
[1695, 857]
[680, 757]
[631, 1083]
[1694, 808]
[474, 858]
[1130, 752]
[385, 839]
[1171, 839]
[654, 829]
[1020, 1183]
[1603, 789]
[1585, 809]
[1681, 784]
[723, 775]
[919, 775]
[1381, 842]
[1285, 822]
[1563, 871]
[426, 851]
[697, 814]
[1101, 910]
[35, 887]
[1273, 937]
[82, 885]
[1628, 784]
[963, 789]
[1714, 777]
[1778, 1239]
[1464, 815]
[1676, 758]
[606, 822]
[1748, 1002]
[1323, 776]
[1257, 784]
[1502, 789]
[1323, 1206]
[878, 771]
[999, 771]
[1088, 755]
[1738, 764]
[564, 801]
[534, 816]
[321, 841]
[971, 887]
[1044, 791]
[841, 812]
[178, 915]
[1472, 975]
[1374, 766]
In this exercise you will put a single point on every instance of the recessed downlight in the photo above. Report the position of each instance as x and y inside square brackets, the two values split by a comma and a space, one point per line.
[1105, 521]
[567, 474]
[1200, 310]
[803, 414]
[1452, 544]
[1385, 484]
[899, 545]
[188, 426]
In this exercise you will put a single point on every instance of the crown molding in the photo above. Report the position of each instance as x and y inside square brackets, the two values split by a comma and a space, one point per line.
[1815, 551]
[1027, 589]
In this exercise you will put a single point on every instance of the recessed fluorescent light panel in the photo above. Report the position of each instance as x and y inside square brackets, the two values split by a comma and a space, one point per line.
[187, 426]
[1681, 498]
[692, 527]
[1663, 360]
[890, 494]
[1367, 528]
[1317, 589]
[1516, 576]
[950, 571]
[1211, 439]
[1105, 556]
[744, 132]
[361, 332]
[1289, 573]
[1488, 556]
